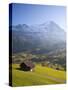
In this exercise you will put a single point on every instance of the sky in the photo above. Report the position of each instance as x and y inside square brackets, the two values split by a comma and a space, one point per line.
[31, 14]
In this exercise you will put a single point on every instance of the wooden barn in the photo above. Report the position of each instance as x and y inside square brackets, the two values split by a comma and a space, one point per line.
[27, 66]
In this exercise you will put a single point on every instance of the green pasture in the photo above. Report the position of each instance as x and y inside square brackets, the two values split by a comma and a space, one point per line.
[39, 76]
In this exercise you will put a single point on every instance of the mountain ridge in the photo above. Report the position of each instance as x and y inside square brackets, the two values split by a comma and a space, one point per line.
[46, 36]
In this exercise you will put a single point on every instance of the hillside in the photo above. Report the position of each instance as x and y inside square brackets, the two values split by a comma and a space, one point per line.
[40, 76]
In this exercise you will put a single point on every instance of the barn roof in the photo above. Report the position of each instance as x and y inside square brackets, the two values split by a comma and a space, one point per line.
[29, 64]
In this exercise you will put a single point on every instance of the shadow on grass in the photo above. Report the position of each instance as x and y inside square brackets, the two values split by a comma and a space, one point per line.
[22, 69]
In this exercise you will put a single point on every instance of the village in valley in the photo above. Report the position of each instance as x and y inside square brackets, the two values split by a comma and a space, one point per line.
[55, 62]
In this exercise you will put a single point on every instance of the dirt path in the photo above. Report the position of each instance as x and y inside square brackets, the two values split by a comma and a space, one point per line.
[55, 79]
[52, 78]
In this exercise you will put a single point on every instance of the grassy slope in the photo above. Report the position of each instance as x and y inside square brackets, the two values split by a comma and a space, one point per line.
[40, 76]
